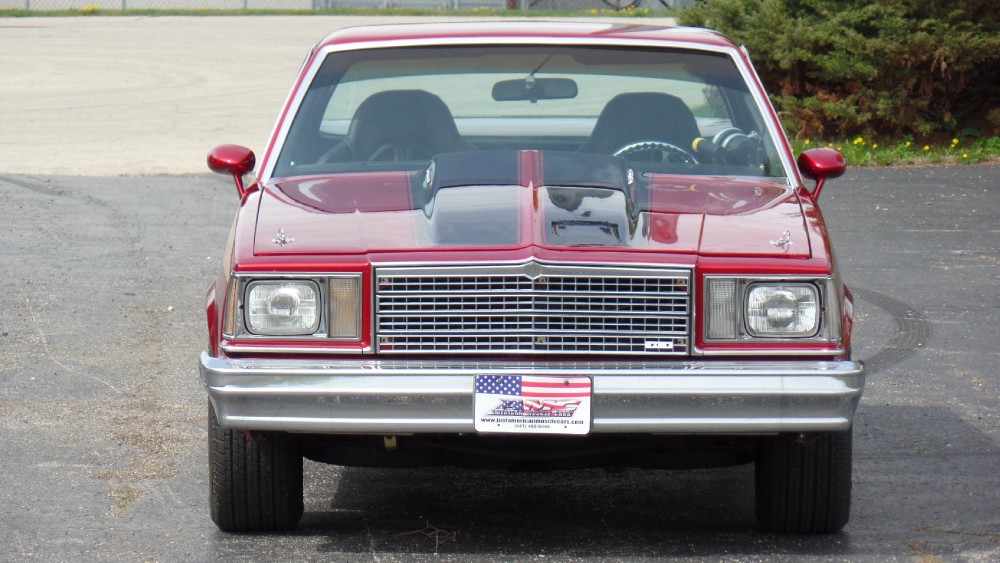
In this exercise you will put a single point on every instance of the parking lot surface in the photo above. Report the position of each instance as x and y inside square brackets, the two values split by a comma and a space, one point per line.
[107, 96]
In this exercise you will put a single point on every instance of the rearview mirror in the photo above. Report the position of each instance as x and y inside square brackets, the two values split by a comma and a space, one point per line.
[533, 89]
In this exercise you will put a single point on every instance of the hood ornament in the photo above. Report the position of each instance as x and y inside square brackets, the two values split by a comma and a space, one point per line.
[784, 242]
[281, 239]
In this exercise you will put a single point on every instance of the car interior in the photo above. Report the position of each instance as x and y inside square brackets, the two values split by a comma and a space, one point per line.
[370, 114]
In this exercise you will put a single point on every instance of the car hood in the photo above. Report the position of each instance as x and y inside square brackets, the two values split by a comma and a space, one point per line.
[517, 199]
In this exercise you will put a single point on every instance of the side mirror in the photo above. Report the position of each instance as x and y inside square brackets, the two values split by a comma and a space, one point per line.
[820, 164]
[234, 160]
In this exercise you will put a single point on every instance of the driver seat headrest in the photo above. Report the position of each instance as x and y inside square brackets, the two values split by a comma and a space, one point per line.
[642, 116]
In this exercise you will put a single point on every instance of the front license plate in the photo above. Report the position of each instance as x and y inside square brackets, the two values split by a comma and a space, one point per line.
[522, 404]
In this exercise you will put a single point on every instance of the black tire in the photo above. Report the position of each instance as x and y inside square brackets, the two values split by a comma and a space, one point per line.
[804, 486]
[255, 483]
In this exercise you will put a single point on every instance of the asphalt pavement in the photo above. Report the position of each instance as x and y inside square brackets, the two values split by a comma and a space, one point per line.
[103, 418]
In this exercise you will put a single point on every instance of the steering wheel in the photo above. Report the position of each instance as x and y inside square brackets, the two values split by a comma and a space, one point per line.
[668, 152]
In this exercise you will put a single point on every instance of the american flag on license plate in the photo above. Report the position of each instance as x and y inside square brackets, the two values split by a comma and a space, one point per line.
[524, 395]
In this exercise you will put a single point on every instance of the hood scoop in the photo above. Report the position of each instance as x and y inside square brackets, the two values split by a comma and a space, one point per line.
[502, 198]
[587, 217]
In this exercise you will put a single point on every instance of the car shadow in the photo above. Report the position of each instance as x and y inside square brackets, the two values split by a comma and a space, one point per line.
[367, 513]
[628, 513]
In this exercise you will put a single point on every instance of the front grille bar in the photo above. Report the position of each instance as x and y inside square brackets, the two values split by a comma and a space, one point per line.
[533, 308]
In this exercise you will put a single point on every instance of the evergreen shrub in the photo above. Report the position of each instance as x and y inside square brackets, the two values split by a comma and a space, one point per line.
[840, 68]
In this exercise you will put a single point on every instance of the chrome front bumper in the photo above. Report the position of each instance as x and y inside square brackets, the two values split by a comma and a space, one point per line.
[367, 396]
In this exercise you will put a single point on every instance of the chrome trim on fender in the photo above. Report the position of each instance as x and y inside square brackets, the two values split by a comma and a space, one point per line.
[244, 347]
[798, 352]
[358, 396]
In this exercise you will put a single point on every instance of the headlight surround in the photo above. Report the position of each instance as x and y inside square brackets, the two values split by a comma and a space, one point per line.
[282, 308]
[293, 308]
[784, 310]
[740, 309]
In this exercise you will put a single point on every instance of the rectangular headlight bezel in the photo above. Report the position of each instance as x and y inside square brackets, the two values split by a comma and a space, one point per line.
[239, 328]
[737, 329]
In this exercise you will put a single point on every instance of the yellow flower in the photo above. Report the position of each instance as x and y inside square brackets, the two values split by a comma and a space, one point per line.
[954, 141]
[927, 148]
[908, 143]
[874, 145]
[965, 155]
[806, 142]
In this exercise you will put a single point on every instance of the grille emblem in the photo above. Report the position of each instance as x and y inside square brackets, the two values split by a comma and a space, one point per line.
[533, 270]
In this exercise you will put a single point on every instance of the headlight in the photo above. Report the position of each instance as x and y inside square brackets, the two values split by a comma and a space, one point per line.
[782, 310]
[319, 307]
[282, 308]
[743, 309]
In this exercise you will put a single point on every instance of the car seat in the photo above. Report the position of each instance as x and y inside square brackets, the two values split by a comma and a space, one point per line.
[399, 125]
[642, 116]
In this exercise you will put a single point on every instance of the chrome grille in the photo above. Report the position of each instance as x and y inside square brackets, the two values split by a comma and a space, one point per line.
[532, 308]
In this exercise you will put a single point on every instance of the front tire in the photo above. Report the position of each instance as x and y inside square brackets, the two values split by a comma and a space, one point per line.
[804, 486]
[255, 482]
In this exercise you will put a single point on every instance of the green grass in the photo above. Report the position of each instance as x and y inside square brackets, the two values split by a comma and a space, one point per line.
[862, 151]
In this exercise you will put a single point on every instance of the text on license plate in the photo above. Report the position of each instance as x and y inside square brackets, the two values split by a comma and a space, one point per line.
[542, 404]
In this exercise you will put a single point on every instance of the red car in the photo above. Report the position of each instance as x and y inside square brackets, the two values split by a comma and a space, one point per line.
[529, 245]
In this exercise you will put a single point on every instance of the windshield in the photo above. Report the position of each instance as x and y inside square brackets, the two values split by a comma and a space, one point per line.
[660, 111]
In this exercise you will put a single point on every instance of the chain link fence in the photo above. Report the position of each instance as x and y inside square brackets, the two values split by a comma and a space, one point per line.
[107, 5]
